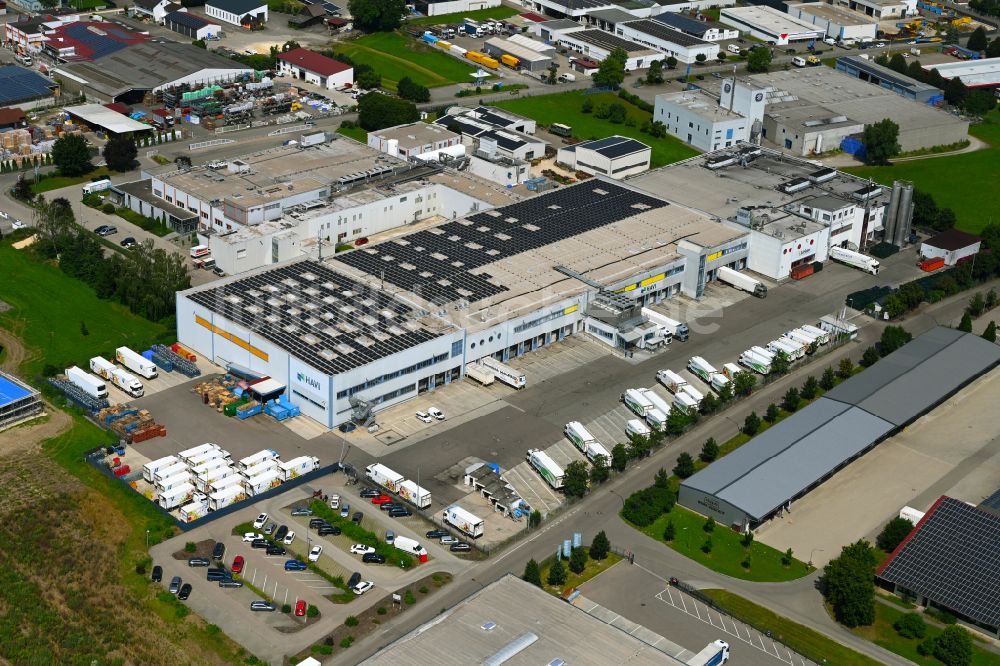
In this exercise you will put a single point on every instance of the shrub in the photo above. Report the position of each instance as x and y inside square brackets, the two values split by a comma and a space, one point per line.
[108, 208]
[423, 589]
[140, 569]
[351, 621]
[578, 560]
[643, 507]
[709, 525]
[312, 611]
[707, 546]
[954, 647]
[910, 625]
[346, 642]
[326, 649]
[926, 646]
[190, 547]
[212, 629]
[381, 610]
[893, 534]
[286, 608]
[409, 598]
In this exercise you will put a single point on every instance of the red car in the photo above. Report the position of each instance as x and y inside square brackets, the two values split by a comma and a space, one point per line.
[238, 564]
[300, 608]
[381, 499]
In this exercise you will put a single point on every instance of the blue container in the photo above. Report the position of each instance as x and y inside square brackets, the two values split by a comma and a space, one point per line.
[567, 547]
[577, 539]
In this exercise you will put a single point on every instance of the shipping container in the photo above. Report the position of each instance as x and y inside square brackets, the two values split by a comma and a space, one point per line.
[480, 373]
[929, 265]
[466, 522]
[803, 271]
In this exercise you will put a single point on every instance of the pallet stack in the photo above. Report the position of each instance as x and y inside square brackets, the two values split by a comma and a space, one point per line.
[218, 393]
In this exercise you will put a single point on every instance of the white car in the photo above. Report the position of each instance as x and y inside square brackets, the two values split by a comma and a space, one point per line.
[18, 224]
[259, 523]
[289, 538]
[363, 587]
[334, 501]
[251, 536]
[424, 417]
[436, 413]
[361, 549]
[315, 553]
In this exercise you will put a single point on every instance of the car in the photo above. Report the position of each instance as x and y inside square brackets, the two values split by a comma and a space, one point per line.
[262, 606]
[175, 585]
[390, 537]
[334, 501]
[295, 565]
[218, 271]
[238, 563]
[674, 581]
[357, 517]
[229, 582]
[302, 511]
[328, 530]
[345, 510]
[157, 573]
[436, 413]
[259, 523]
[368, 493]
[289, 538]
[18, 224]
[101, 230]
[401, 512]
[317, 522]
[354, 579]
[280, 534]
[249, 52]
[275, 549]
[363, 587]
[381, 499]
[217, 574]
[251, 536]
[373, 558]
[128, 242]
[361, 549]
[269, 530]
[426, 418]
[259, 543]
[389, 506]
[198, 562]
[447, 540]
[219, 551]
[315, 553]
[460, 547]
[300, 608]
[184, 592]
[436, 534]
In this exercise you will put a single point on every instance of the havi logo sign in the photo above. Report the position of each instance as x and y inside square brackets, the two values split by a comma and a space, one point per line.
[308, 381]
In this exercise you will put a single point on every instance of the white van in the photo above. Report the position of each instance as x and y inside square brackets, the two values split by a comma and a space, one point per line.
[199, 251]
[799, 61]
[734, 49]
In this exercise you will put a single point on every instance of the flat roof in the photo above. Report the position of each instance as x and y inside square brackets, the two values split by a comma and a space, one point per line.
[532, 44]
[660, 31]
[768, 20]
[20, 84]
[614, 147]
[415, 135]
[700, 102]
[687, 24]
[795, 454]
[497, 116]
[100, 115]
[606, 40]
[886, 74]
[984, 72]
[839, 15]
[614, 15]
[561, 24]
[469, 125]
[11, 390]
[515, 623]
[517, 50]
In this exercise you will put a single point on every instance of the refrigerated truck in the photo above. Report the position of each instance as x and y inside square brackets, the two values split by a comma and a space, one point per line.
[262, 482]
[271, 464]
[504, 372]
[685, 403]
[547, 467]
[210, 478]
[671, 380]
[822, 337]
[741, 281]
[136, 362]
[411, 492]
[150, 468]
[730, 370]
[715, 653]
[127, 382]
[102, 367]
[208, 460]
[855, 259]
[760, 351]
[657, 402]
[579, 435]
[219, 485]
[480, 373]
[635, 399]
[297, 467]
[676, 328]
[693, 393]
[173, 481]
[187, 455]
[466, 522]
[383, 476]
[718, 382]
[90, 384]
[801, 337]
[756, 362]
[701, 367]
[657, 419]
[636, 428]
[169, 470]
[174, 497]
[257, 458]
[791, 348]
[596, 450]
[228, 495]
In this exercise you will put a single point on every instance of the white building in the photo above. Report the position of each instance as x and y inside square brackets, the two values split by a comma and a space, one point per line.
[770, 25]
[615, 157]
[703, 28]
[412, 139]
[598, 45]
[700, 119]
[315, 68]
[882, 9]
[984, 73]
[441, 7]
[155, 9]
[839, 23]
[953, 246]
[481, 135]
[237, 12]
[664, 39]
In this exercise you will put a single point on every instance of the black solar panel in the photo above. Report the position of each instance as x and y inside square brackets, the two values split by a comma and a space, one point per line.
[954, 560]
[991, 503]
[615, 146]
[325, 318]
[18, 84]
[438, 263]
[661, 31]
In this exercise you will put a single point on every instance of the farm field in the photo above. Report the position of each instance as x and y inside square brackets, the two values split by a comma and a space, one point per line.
[395, 56]
[566, 108]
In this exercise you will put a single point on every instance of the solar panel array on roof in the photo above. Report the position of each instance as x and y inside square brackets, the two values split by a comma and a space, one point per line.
[100, 41]
[186, 19]
[323, 317]
[953, 559]
[991, 503]
[616, 146]
[442, 264]
[486, 114]
[661, 31]
[606, 40]
[18, 84]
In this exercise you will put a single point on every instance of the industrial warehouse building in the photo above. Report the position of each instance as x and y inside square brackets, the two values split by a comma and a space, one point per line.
[528, 58]
[983, 73]
[244, 13]
[839, 23]
[412, 139]
[18, 401]
[191, 25]
[665, 39]
[953, 246]
[703, 28]
[761, 479]
[770, 25]
[876, 74]
[707, 122]
[598, 45]
[440, 7]
[616, 157]
[316, 68]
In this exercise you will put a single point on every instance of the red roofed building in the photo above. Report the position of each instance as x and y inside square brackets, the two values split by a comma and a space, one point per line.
[316, 68]
[88, 40]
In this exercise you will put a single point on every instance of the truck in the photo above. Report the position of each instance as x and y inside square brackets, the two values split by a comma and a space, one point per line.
[410, 547]
[657, 402]
[169, 471]
[741, 280]
[791, 348]
[187, 455]
[473, 28]
[545, 466]
[314, 139]
[383, 476]
[635, 399]
[596, 450]
[480, 373]
[579, 435]
[803, 338]
[261, 483]
[701, 367]
[136, 362]
[174, 497]
[231, 494]
[206, 479]
[256, 458]
[685, 403]
[182, 478]
[671, 380]
[413, 493]
[127, 382]
[207, 460]
[693, 393]
[101, 185]
[297, 467]
[150, 468]
[760, 351]
[676, 328]
[193, 511]
[836, 326]
[855, 259]
[466, 522]
[822, 337]
[219, 485]
[730, 370]
[504, 372]
[102, 367]
[269, 465]
[88, 383]
[657, 419]
[636, 428]
[756, 362]
[911, 514]
[718, 381]
[715, 653]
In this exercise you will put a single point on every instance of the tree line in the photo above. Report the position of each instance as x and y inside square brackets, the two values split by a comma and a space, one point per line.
[975, 100]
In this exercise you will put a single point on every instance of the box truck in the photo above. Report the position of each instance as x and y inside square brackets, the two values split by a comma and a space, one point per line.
[127, 382]
[271, 464]
[579, 435]
[671, 380]
[168, 471]
[741, 281]
[203, 481]
[181, 478]
[174, 497]
[635, 399]
[718, 381]
[411, 547]
[545, 466]
[693, 393]
[504, 372]
[655, 400]
[383, 476]
[150, 468]
[791, 348]
[480, 373]
[187, 455]
[730, 370]
[261, 483]
[822, 337]
[595, 450]
[701, 367]
[636, 428]
[219, 485]
[657, 419]
[760, 351]
[411, 492]
[801, 337]
[756, 362]
[90, 384]
[714, 654]
[257, 458]
[676, 328]
[836, 326]
[102, 367]
[208, 460]
[228, 495]
[297, 467]
[136, 362]
[466, 522]
[855, 259]
[193, 511]
[911, 514]
[685, 403]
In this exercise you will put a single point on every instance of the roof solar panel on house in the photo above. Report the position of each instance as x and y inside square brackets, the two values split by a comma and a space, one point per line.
[623, 146]
[186, 19]
[18, 84]
[656, 29]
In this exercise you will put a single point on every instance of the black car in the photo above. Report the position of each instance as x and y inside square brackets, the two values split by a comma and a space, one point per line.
[157, 573]
[105, 230]
[219, 551]
[357, 517]
[198, 562]
[436, 534]
[373, 558]
[281, 533]
[460, 547]
[316, 522]
[389, 506]
[368, 493]
[400, 513]
[302, 511]
[353, 580]
[185, 592]
[260, 543]
[217, 574]
[128, 242]
[275, 550]
[328, 530]
[229, 582]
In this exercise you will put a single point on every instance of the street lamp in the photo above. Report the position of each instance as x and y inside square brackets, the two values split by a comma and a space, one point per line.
[811, 554]
[147, 539]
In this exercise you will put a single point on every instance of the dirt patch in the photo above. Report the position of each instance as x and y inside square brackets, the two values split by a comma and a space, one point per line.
[201, 549]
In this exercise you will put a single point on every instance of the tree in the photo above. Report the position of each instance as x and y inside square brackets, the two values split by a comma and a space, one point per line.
[977, 304]
[600, 546]
[412, 91]
[780, 364]
[654, 75]
[925, 210]
[577, 560]
[700, 58]
[772, 413]
[587, 106]
[377, 111]
[709, 525]
[881, 141]
[915, 70]
[955, 91]
[786, 558]
[897, 63]
[677, 421]
[870, 357]
[945, 220]
[954, 646]
[790, 401]
[849, 585]
[707, 546]
[725, 393]
[312, 611]
[617, 113]
[575, 479]
[599, 472]
[744, 382]
[685, 466]
[669, 532]
[71, 155]
[828, 379]
[979, 102]
[611, 71]
[993, 50]
[893, 337]
[120, 152]
[200, 43]
[532, 573]
[22, 189]
[990, 334]
[910, 625]
[747, 540]
[810, 388]
[619, 457]
[846, 368]
[709, 450]
[759, 60]
[644, 506]
[893, 534]
[709, 404]
[660, 479]
[377, 15]
[655, 129]
[751, 424]
[366, 78]
[966, 323]
[672, 62]
[557, 573]
[977, 40]
[534, 519]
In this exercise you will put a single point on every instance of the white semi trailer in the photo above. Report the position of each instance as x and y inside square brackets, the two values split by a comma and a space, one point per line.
[676, 328]
[136, 362]
[90, 384]
[855, 259]
[504, 372]
[547, 467]
[742, 281]
[466, 522]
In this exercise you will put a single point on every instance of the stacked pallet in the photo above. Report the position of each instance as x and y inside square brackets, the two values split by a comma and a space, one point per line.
[126, 425]
[218, 393]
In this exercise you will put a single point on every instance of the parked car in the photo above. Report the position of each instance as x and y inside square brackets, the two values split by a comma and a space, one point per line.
[229, 582]
[302, 511]
[262, 606]
[315, 523]
[357, 517]
[259, 543]
[373, 558]
[157, 573]
[400, 512]
[389, 506]
[328, 530]
[259, 523]
[315, 553]
[460, 547]
[390, 537]
[447, 540]
[334, 501]
[269, 530]
[198, 562]
[280, 534]
[345, 510]
[105, 230]
[300, 608]
[361, 549]
[128, 242]
[251, 536]
[368, 493]
[295, 565]
[363, 587]
[436, 534]
[238, 563]
[381, 499]
[184, 592]
[436, 413]
[289, 538]
[175, 585]
[275, 549]
[217, 574]
[219, 551]
[423, 416]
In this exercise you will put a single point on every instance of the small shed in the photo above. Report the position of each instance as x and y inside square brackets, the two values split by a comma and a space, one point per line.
[953, 246]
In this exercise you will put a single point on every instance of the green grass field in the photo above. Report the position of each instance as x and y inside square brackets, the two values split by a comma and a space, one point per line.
[573, 580]
[355, 133]
[565, 108]
[395, 56]
[47, 307]
[497, 13]
[58, 182]
[963, 182]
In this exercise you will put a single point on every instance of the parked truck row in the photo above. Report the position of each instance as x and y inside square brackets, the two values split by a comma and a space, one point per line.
[794, 344]
[394, 482]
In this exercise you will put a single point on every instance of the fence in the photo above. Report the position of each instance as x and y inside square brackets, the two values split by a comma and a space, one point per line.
[211, 142]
